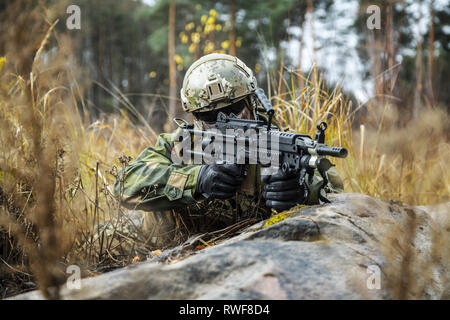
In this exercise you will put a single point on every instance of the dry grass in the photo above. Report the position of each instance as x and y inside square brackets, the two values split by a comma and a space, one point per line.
[57, 169]
[386, 160]
[405, 163]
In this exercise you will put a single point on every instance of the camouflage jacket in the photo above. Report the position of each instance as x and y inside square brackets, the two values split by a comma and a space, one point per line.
[152, 182]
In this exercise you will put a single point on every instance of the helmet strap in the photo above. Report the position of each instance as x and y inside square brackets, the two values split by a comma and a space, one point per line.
[252, 105]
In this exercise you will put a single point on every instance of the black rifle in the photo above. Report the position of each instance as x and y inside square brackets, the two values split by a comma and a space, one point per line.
[296, 152]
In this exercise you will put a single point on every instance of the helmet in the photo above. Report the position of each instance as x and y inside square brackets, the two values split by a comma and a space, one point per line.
[215, 81]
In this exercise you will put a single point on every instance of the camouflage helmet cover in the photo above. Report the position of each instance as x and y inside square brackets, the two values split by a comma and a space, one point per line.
[215, 81]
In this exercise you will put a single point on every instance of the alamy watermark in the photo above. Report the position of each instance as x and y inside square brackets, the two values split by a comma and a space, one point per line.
[73, 22]
[374, 20]
[74, 280]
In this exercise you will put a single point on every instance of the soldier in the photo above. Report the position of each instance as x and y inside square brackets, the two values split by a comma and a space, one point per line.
[191, 198]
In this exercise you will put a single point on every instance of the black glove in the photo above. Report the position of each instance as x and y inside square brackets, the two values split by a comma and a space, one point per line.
[283, 191]
[219, 181]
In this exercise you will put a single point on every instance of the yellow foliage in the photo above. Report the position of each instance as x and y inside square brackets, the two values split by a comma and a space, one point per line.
[209, 47]
[178, 59]
[2, 62]
[189, 26]
[213, 13]
[195, 37]
[208, 28]
[225, 45]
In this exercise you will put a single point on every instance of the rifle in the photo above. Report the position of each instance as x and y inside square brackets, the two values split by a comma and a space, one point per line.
[294, 152]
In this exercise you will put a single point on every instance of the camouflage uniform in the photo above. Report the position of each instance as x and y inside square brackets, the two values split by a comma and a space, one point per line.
[154, 183]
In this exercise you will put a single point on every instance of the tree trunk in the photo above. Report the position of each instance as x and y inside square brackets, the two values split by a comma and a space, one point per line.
[374, 51]
[418, 92]
[300, 50]
[390, 79]
[172, 66]
[419, 71]
[101, 78]
[430, 55]
[310, 10]
[232, 35]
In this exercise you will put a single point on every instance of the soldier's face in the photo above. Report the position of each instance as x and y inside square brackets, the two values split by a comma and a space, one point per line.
[245, 114]
[240, 109]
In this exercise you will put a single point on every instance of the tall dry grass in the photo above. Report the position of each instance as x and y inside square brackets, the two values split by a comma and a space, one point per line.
[390, 157]
[57, 169]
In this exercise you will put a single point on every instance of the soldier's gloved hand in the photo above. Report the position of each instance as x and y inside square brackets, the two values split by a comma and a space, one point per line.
[282, 191]
[220, 181]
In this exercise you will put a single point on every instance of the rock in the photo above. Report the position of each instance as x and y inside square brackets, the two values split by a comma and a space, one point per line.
[333, 251]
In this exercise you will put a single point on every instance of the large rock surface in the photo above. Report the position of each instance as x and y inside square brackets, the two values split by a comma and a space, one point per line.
[319, 252]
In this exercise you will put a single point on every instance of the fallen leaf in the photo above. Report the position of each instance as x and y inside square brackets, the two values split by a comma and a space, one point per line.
[157, 252]
[93, 274]
[136, 259]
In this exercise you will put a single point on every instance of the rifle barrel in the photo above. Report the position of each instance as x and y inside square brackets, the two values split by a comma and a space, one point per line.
[337, 152]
